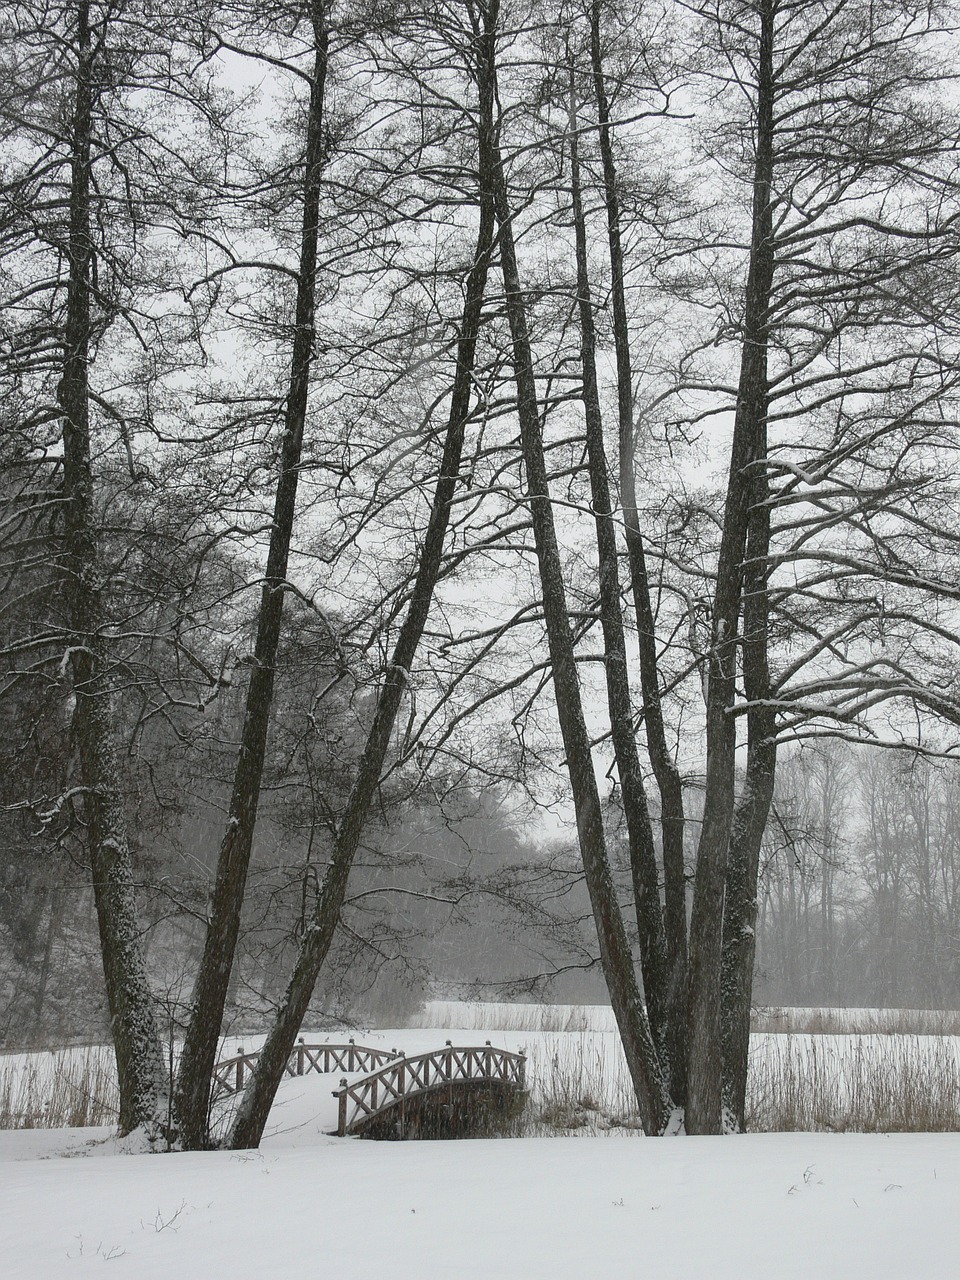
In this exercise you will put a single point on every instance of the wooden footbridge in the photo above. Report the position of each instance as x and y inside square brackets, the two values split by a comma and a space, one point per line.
[450, 1092]
[447, 1093]
[230, 1075]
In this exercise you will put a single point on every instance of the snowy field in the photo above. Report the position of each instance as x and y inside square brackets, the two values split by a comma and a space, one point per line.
[609, 1204]
[767, 1205]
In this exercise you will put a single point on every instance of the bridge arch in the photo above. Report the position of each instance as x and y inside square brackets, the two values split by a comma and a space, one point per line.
[449, 1092]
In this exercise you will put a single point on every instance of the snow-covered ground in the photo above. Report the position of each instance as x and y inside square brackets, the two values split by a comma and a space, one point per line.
[770, 1206]
[774, 1206]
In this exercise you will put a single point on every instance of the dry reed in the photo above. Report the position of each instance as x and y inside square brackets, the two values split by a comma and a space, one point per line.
[60, 1089]
[578, 1080]
[867, 1084]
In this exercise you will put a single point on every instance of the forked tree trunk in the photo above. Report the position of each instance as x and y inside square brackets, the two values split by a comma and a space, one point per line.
[643, 857]
[257, 1100]
[661, 758]
[140, 1066]
[753, 807]
[615, 958]
[192, 1096]
[704, 1063]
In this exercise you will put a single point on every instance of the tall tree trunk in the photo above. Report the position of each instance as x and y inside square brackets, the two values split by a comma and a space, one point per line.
[248, 1127]
[704, 1064]
[140, 1066]
[192, 1096]
[753, 808]
[615, 958]
[661, 758]
[643, 858]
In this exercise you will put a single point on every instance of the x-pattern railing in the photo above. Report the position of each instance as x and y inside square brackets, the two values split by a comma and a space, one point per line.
[403, 1076]
[229, 1076]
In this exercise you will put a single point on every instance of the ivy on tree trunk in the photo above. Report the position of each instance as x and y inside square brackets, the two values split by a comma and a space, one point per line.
[140, 1065]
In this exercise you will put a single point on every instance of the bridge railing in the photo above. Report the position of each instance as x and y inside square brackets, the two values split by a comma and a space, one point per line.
[229, 1076]
[404, 1076]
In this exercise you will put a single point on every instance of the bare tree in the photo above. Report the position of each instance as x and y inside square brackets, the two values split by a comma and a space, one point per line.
[645, 1067]
[86, 183]
[255, 1106]
[192, 1099]
[797, 312]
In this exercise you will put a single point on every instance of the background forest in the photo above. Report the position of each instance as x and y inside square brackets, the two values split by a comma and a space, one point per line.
[478, 507]
[858, 906]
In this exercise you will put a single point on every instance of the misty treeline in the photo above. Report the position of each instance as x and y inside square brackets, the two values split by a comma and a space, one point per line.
[859, 880]
[421, 416]
[433, 907]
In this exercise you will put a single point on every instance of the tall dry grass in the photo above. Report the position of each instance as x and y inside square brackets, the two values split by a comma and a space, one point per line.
[863, 1070]
[866, 1084]
[578, 1081]
[60, 1089]
[885, 1083]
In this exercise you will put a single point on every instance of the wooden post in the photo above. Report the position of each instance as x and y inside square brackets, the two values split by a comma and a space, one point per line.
[239, 1074]
[401, 1089]
[300, 1056]
[352, 1057]
[342, 1117]
[448, 1072]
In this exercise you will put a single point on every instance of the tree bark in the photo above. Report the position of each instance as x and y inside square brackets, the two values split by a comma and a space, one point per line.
[192, 1096]
[704, 1082]
[140, 1066]
[643, 858]
[661, 758]
[615, 958]
[750, 820]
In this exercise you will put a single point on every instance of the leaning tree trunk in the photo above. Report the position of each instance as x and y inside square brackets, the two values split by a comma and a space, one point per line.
[192, 1096]
[704, 1063]
[643, 857]
[140, 1066]
[615, 958]
[248, 1127]
[661, 758]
